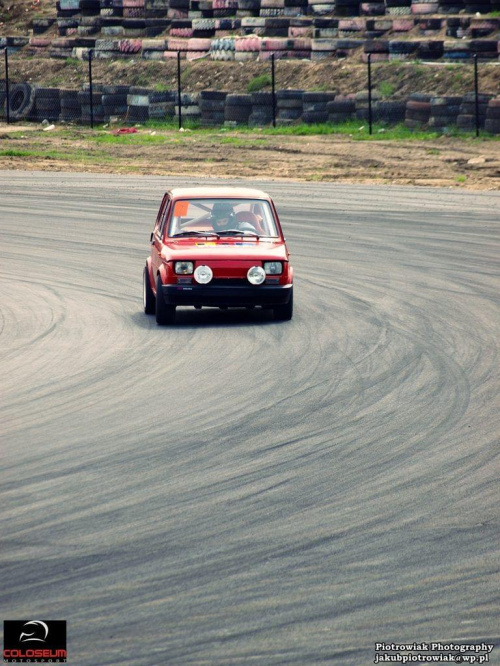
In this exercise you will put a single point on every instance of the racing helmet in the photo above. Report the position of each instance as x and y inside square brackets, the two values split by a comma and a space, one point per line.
[221, 216]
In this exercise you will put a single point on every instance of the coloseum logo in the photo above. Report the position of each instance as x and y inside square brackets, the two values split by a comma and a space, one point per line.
[34, 641]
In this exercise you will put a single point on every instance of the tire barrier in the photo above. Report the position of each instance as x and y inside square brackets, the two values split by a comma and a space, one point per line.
[213, 108]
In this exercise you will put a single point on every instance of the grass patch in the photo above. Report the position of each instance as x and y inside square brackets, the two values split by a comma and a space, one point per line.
[243, 143]
[259, 82]
[386, 89]
[128, 139]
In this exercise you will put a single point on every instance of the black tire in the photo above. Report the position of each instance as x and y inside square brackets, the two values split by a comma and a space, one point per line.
[284, 312]
[312, 117]
[239, 101]
[47, 104]
[148, 298]
[47, 93]
[165, 314]
[21, 100]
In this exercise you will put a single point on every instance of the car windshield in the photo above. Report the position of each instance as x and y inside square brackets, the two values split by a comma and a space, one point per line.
[224, 217]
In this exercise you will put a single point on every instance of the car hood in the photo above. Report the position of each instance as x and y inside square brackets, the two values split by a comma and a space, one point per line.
[221, 250]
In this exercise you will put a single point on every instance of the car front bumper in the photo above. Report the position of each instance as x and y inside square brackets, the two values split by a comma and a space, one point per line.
[226, 296]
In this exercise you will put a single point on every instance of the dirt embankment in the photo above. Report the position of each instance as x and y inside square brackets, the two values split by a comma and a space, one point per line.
[445, 162]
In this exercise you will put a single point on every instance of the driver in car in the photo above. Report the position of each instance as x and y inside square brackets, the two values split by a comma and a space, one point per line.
[223, 218]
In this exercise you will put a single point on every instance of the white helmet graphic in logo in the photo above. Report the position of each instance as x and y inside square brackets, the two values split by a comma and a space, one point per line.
[39, 629]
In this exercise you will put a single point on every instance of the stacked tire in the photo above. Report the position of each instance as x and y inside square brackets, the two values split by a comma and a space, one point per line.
[3, 98]
[315, 109]
[212, 107]
[222, 49]
[492, 122]
[47, 104]
[71, 110]
[237, 109]
[341, 109]
[401, 50]
[162, 105]
[92, 107]
[289, 106]
[362, 105]
[190, 103]
[138, 105]
[390, 111]
[418, 110]
[262, 109]
[466, 118]
[114, 100]
[444, 112]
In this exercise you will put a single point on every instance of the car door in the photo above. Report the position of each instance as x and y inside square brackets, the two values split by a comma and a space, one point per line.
[156, 241]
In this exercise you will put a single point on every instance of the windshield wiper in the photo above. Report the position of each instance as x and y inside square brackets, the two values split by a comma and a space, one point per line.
[194, 233]
[237, 232]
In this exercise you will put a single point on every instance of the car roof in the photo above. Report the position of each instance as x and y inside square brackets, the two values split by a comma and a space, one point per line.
[216, 192]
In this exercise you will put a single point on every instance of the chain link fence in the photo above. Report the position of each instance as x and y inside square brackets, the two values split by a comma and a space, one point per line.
[99, 93]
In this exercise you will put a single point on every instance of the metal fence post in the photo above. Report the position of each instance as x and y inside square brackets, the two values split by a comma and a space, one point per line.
[179, 88]
[370, 117]
[476, 93]
[273, 84]
[91, 91]
[7, 88]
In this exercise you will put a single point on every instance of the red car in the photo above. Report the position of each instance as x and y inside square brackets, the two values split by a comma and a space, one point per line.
[217, 247]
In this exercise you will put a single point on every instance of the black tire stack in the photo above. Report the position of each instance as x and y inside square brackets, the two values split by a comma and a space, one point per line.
[492, 122]
[190, 103]
[418, 110]
[262, 109]
[347, 7]
[397, 7]
[288, 106]
[341, 109]
[466, 118]
[486, 49]
[430, 50]
[401, 50]
[362, 105]
[444, 112]
[3, 98]
[97, 107]
[212, 107]
[138, 104]
[114, 100]
[71, 109]
[162, 105]
[237, 109]
[315, 109]
[41, 25]
[47, 104]
[390, 111]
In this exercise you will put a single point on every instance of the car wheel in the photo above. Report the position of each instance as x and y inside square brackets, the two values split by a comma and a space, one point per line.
[148, 297]
[284, 312]
[165, 314]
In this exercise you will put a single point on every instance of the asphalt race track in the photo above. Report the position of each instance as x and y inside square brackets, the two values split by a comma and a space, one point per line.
[235, 490]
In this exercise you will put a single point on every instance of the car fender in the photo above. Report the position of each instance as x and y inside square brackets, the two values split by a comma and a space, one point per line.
[150, 273]
[163, 273]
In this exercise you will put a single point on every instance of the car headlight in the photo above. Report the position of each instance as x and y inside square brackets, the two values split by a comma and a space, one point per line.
[256, 275]
[184, 267]
[273, 267]
[203, 274]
